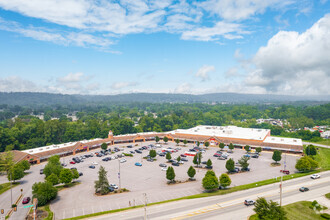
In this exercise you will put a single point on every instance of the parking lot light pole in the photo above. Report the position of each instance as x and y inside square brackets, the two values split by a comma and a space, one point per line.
[145, 206]
[119, 177]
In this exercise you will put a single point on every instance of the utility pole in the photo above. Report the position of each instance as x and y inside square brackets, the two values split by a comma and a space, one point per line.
[145, 206]
[11, 191]
[281, 185]
[119, 176]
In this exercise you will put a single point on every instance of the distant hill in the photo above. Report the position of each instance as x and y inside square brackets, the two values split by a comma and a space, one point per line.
[31, 98]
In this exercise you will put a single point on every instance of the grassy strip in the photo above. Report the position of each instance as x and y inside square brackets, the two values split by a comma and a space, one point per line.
[215, 193]
[297, 210]
[6, 186]
[69, 185]
[327, 195]
[323, 158]
[50, 213]
[324, 142]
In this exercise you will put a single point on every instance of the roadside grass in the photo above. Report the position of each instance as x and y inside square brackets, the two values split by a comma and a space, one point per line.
[327, 195]
[50, 213]
[324, 142]
[298, 210]
[72, 184]
[6, 186]
[323, 158]
[201, 195]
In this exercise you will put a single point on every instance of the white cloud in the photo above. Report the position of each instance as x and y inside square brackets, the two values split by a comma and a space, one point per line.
[120, 85]
[71, 78]
[204, 71]
[183, 88]
[293, 63]
[17, 84]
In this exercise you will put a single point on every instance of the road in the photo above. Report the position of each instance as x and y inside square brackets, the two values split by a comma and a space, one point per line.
[229, 206]
[319, 145]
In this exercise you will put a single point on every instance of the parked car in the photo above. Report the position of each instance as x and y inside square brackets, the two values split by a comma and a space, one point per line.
[208, 167]
[123, 160]
[246, 155]
[285, 171]
[73, 168]
[92, 166]
[255, 156]
[303, 189]
[105, 159]
[249, 202]
[204, 162]
[150, 160]
[111, 189]
[162, 165]
[171, 161]
[63, 164]
[222, 158]
[181, 162]
[42, 171]
[72, 162]
[217, 155]
[315, 176]
[94, 163]
[182, 155]
[175, 164]
[129, 146]
[138, 164]
[81, 174]
[164, 168]
[138, 151]
[26, 200]
[113, 186]
[132, 152]
[246, 169]
[184, 159]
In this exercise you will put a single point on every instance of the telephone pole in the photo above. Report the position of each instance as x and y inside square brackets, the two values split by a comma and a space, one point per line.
[145, 206]
[119, 176]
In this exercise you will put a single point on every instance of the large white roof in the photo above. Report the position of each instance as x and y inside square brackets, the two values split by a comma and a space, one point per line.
[226, 131]
[282, 140]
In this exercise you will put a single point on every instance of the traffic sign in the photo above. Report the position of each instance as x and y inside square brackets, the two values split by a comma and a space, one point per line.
[2, 211]
[27, 206]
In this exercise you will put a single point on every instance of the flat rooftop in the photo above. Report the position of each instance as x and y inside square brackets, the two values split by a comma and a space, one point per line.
[282, 140]
[226, 131]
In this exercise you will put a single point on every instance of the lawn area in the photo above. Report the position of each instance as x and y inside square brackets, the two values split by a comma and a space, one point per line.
[323, 158]
[6, 186]
[324, 142]
[298, 211]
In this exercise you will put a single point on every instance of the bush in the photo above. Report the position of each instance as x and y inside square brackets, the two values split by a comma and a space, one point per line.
[325, 216]
[44, 192]
[128, 155]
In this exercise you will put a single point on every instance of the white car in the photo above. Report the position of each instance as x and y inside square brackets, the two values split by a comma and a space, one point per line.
[94, 163]
[315, 176]
[164, 168]
[123, 160]
[113, 186]
[113, 158]
[181, 162]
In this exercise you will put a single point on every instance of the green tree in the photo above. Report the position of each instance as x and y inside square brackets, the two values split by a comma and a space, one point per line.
[177, 141]
[15, 173]
[165, 139]
[231, 146]
[65, 176]
[152, 153]
[6, 161]
[221, 146]
[25, 165]
[53, 179]
[305, 164]
[102, 184]
[258, 149]
[244, 162]
[104, 146]
[207, 144]
[247, 148]
[53, 166]
[310, 150]
[210, 181]
[230, 165]
[195, 160]
[185, 142]
[44, 192]
[168, 156]
[209, 163]
[157, 139]
[224, 180]
[178, 159]
[191, 172]
[75, 174]
[198, 143]
[269, 210]
[277, 156]
[170, 174]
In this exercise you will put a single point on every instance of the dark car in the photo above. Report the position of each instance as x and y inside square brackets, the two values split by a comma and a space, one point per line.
[111, 189]
[162, 165]
[222, 158]
[246, 169]
[105, 159]
[184, 159]
[175, 164]
[217, 155]
[73, 168]
[248, 202]
[208, 167]
[171, 161]
[138, 151]
[42, 171]
[92, 166]
[150, 160]
[129, 146]
[204, 162]
[303, 189]
[255, 156]
[162, 154]
[26, 200]
[182, 155]
[81, 174]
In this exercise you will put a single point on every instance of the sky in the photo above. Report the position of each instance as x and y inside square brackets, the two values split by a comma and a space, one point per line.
[165, 46]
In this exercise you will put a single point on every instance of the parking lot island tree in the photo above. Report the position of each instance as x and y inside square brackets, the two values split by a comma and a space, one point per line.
[258, 150]
[198, 143]
[195, 160]
[230, 165]
[15, 173]
[178, 158]
[168, 156]
[247, 148]
[244, 162]
[177, 141]
[277, 156]
[207, 144]
[66, 176]
[53, 179]
[210, 181]
[44, 192]
[185, 142]
[191, 173]
[310, 150]
[209, 163]
[269, 210]
[104, 146]
[152, 153]
[199, 158]
[221, 146]
[157, 139]
[53, 166]
[170, 174]
[224, 180]
[75, 174]
[165, 139]
[231, 146]
[102, 184]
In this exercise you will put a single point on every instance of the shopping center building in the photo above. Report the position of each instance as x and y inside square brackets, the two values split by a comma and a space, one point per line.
[254, 137]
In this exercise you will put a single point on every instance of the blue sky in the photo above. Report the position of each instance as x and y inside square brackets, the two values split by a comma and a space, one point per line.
[195, 47]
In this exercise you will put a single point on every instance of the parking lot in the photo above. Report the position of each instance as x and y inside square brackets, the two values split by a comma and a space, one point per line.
[149, 179]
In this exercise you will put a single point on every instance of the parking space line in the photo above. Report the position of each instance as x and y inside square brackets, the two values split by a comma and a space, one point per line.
[63, 213]
[93, 210]
[73, 213]
[83, 211]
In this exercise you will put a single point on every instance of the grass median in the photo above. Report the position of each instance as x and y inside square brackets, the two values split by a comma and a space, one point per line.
[201, 195]
[6, 186]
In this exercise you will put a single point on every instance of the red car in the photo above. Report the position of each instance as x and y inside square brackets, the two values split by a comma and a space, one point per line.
[285, 171]
[72, 162]
[26, 200]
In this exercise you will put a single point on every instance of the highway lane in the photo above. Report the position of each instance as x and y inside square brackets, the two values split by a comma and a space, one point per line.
[182, 208]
